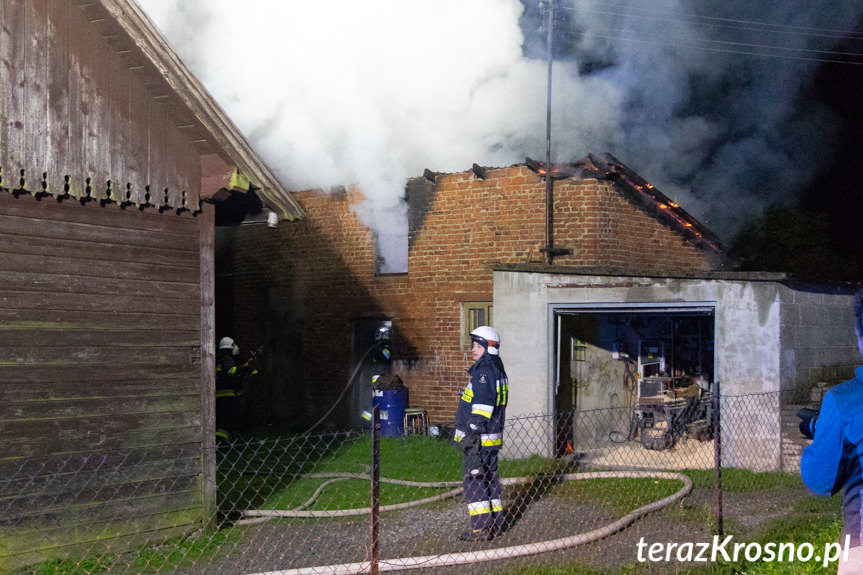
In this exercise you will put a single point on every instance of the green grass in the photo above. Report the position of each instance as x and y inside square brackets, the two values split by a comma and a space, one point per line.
[417, 458]
[166, 556]
[742, 480]
[619, 495]
[428, 459]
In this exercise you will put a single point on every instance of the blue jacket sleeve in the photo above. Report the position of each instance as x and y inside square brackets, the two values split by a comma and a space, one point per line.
[819, 463]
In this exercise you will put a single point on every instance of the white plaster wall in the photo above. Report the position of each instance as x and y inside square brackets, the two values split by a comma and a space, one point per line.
[520, 316]
[747, 323]
[818, 341]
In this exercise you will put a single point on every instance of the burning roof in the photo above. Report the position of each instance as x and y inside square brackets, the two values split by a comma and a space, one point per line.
[607, 167]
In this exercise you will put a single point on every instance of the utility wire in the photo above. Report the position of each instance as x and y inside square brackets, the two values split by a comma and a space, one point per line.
[763, 48]
[728, 23]
[726, 48]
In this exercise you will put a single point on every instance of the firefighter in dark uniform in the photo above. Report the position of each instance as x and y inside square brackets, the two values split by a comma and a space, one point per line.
[479, 431]
[229, 382]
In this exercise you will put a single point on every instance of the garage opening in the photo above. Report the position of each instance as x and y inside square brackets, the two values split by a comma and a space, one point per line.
[648, 367]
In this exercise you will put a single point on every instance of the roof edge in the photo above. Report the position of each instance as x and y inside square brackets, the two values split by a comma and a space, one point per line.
[153, 45]
[670, 274]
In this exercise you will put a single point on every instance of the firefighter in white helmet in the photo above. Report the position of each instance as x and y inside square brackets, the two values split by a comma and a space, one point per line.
[229, 383]
[479, 430]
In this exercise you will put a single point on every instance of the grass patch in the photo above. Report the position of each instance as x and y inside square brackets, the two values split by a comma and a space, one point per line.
[416, 458]
[165, 556]
[427, 459]
[622, 495]
[742, 480]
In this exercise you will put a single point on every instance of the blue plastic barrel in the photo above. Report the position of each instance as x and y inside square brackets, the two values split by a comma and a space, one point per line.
[393, 403]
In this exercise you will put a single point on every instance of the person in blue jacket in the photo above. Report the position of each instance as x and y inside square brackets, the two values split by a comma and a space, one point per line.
[479, 425]
[832, 462]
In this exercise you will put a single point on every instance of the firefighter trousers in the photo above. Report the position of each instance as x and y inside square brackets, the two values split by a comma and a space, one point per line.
[483, 494]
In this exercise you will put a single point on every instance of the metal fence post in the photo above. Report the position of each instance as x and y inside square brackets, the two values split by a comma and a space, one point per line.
[376, 485]
[717, 457]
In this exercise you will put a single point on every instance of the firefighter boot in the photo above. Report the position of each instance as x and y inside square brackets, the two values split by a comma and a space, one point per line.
[484, 534]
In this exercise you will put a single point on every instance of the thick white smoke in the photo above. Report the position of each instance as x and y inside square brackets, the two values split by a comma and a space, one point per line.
[370, 93]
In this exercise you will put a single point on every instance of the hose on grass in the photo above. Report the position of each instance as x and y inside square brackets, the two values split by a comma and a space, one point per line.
[450, 559]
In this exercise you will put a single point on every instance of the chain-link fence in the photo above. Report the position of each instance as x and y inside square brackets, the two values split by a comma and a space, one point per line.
[588, 490]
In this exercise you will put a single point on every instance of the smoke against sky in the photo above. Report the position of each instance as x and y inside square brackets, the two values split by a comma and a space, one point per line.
[696, 97]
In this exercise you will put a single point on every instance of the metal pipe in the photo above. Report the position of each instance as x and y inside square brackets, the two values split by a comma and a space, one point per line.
[717, 456]
[549, 181]
[376, 488]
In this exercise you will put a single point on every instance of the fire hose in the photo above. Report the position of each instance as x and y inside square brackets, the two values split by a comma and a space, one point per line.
[450, 559]
[344, 390]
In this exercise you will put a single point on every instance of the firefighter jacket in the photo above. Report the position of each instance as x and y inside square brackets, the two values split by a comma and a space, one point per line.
[229, 379]
[483, 402]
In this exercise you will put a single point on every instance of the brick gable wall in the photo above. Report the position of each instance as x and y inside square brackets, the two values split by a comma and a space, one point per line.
[316, 276]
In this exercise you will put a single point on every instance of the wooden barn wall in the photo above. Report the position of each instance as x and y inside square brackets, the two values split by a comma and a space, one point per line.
[100, 372]
[81, 114]
[105, 383]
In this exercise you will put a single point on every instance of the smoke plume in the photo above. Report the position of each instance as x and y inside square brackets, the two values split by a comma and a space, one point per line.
[707, 100]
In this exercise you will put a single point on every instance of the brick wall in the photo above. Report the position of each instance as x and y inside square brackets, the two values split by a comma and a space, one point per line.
[316, 276]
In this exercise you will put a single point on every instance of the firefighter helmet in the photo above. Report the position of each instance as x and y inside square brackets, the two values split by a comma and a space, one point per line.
[488, 338]
[226, 343]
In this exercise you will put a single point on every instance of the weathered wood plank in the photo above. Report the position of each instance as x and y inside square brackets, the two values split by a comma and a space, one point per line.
[41, 337]
[58, 244]
[12, 53]
[118, 107]
[103, 486]
[97, 235]
[5, 86]
[157, 152]
[83, 373]
[91, 302]
[62, 281]
[97, 63]
[20, 356]
[174, 152]
[87, 496]
[107, 521]
[99, 390]
[79, 108]
[136, 161]
[113, 406]
[35, 96]
[95, 320]
[108, 433]
[208, 362]
[51, 475]
[189, 166]
[57, 109]
[137, 463]
[95, 268]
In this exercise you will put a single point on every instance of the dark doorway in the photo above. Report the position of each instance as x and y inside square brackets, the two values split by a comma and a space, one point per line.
[607, 359]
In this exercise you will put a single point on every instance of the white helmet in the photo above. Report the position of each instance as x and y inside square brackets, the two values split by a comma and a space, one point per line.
[488, 338]
[228, 343]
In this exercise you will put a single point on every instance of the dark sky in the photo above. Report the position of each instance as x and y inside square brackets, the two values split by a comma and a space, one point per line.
[730, 106]
[838, 189]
